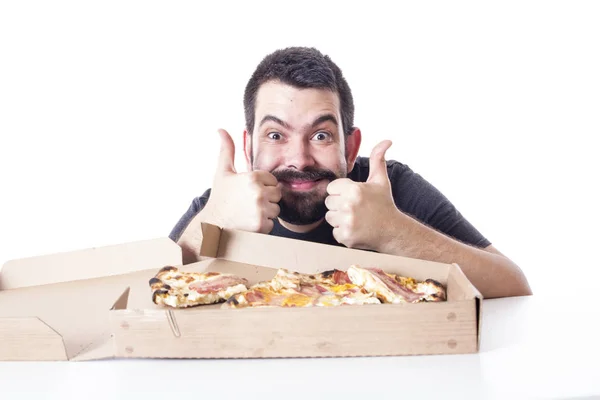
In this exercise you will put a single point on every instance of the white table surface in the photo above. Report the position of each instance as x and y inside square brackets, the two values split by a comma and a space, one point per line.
[531, 348]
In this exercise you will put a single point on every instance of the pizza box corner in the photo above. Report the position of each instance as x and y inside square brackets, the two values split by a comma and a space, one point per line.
[96, 303]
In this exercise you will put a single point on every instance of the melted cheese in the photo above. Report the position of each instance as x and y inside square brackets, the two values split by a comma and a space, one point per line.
[230, 291]
[170, 301]
[361, 300]
[329, 301]
[297, 300]
[192, 295]
[341, 288]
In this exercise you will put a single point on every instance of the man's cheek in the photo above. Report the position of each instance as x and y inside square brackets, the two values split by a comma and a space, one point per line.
[264, 161]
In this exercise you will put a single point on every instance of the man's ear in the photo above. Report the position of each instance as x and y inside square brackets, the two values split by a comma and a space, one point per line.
[352, 146]
[248, 150]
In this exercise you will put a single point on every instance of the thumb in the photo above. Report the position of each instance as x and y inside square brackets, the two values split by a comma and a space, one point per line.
[227, 153]
[377, 163]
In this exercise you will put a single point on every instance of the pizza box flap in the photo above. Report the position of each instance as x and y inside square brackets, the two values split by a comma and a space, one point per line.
[89, 263]
[58, 321]
[302, 256]
[103, 346]
[460, 288]
[30, 338]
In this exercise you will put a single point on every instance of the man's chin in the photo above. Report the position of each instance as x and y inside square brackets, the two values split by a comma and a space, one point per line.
[304, 215]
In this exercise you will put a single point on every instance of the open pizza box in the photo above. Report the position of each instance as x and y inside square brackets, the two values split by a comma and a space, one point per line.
[96, 304]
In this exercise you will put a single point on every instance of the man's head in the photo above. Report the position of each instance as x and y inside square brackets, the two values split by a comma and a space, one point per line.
[299, 126]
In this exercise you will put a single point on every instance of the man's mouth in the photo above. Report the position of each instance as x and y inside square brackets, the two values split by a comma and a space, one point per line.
[301, 184]
[305, 180]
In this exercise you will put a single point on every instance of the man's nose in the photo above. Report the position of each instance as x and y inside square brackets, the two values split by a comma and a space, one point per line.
[298, 155]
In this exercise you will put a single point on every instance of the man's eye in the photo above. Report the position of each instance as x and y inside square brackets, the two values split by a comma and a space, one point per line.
[274, 135]
[321, 136]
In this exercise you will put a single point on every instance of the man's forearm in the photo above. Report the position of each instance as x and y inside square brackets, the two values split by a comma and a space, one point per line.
[494, 275]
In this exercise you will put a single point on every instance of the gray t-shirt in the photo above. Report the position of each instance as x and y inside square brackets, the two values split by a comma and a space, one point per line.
[412, 195]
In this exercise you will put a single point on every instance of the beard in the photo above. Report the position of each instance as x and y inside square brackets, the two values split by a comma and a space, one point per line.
[304, 207]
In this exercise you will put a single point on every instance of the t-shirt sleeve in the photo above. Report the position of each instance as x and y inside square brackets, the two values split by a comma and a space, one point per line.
[420, 199]
[197, 205]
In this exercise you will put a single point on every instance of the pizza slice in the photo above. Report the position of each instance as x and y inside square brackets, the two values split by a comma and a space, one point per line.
[181, 289]
[395, 289]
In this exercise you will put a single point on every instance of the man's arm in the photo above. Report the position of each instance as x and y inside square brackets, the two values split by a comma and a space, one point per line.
[485, 268]
[395, 211]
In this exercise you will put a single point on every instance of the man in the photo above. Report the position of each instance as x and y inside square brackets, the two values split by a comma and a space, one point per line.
[306, 181]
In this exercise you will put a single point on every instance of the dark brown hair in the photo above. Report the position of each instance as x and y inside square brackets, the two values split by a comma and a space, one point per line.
[302, 67]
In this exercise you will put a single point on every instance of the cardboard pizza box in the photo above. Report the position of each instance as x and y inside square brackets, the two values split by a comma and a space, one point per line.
[96, 304]
[55, 307]
[143, 330]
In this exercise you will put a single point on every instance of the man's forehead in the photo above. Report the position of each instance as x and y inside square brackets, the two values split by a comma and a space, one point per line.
[295, 105]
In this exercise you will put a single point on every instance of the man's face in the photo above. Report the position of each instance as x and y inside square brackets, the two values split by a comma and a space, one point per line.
[298, 137]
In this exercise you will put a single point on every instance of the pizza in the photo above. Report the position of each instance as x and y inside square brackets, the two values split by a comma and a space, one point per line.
[395, 289]
[181, 289]
[356, 286]
[294, 289]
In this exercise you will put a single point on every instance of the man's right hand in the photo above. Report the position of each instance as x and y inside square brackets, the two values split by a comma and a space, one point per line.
[245, 201]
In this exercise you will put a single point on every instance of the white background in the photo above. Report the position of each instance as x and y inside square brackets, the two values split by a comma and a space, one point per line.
[109, 113]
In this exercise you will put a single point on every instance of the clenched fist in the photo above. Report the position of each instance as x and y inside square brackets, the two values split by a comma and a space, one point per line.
[245, 201]
[361, 213]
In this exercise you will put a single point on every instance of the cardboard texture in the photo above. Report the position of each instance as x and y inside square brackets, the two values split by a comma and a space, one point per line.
[98, 306]
[55, 307]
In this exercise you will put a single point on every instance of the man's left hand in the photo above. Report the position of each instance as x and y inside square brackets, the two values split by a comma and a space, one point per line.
[362, 213]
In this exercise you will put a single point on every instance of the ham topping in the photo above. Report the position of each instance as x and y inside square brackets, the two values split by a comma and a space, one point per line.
[215, 285]
[395, 287]
[341, 277]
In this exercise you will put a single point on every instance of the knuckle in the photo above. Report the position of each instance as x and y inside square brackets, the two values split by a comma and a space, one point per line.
[256, 225]
[254, 177]
[259, 196]
[350, 221]
[253, 187]
[328, 217]
[264, 176]
[344, 238]
[267, 226]
[254, 197]
[348, 206]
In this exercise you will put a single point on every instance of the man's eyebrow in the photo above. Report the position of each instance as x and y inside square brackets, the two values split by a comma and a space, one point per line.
[325, 118]
[316, 122]
[274, 119]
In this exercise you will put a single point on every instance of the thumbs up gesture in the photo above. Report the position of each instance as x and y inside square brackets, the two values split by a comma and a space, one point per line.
[359, 212]
[245, 201]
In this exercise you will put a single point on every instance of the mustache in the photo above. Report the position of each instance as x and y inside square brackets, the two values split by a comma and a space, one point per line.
[310, 174]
